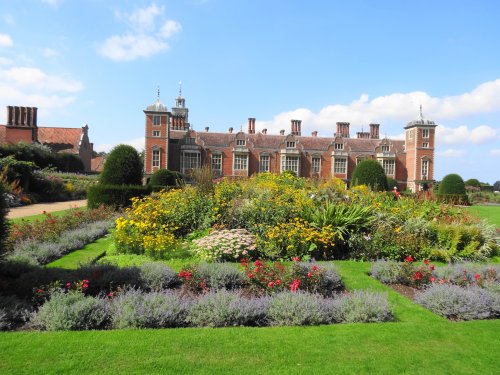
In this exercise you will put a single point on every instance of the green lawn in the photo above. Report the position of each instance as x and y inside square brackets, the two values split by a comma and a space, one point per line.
[490, 213]
[419, 342]
[41, 217]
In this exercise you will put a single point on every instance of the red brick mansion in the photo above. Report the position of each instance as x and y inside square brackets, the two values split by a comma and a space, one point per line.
[171, 143]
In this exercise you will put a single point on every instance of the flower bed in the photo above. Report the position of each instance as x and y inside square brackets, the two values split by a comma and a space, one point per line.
[466, 291]
[209, 294]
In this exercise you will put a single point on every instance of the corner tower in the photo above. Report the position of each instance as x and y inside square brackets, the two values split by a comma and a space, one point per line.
[180, 112]
[419, 143]
[157, 136]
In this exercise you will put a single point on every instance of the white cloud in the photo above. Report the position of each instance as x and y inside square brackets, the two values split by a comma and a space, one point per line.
[6, 41]
[142, 38]
[400, 108]
[462, 134]
[137, 143]
[451, 153]
[130, 47]
[37, 79]
[49, 52]
[495, 152]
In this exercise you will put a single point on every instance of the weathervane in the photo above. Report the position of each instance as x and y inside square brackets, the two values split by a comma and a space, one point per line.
[158, 92]
[421, 115]
[180, 88]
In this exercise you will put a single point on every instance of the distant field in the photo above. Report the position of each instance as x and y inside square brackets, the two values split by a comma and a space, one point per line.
[490, 213]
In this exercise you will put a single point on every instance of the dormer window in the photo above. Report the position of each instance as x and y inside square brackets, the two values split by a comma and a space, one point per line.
[385, 148]
[240, 142]
[290, 144]
[190, 141]
[339, 146]
[425, 133]
[156, 120]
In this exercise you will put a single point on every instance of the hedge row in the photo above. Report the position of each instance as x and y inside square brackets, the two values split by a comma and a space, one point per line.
[117, 196]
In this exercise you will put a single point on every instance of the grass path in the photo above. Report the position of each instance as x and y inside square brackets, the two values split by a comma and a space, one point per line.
[419, 342]
[489, 213]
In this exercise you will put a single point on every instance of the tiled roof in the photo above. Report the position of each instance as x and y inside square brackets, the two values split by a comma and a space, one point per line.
[61, 138]
[2, 133]
[272, 141]
[97, 164]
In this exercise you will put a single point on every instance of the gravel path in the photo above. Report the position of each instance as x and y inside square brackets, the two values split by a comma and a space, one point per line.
[35, 209]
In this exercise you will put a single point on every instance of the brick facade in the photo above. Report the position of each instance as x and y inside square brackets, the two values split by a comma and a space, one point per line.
[177, 147]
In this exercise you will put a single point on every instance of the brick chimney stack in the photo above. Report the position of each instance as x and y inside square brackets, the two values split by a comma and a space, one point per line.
[282, 132]
[374, 131]
[10, 115]
[295, 127]
[230, 130]
[22, 116]
[264, 131]
[363, 135]
[298, 127]
[342, 129]
[251, 125]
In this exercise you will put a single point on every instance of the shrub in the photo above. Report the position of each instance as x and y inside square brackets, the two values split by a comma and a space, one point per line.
[116, 196]
[455, 302]
[4, 223]
[158, 276]
[370, 173]
[35, 252]
[452, 190]
[226, 244]
[387, 271]
[473, 182]
[165, 177]
[364, 307]
[135, 309]
[296, 309]
[222, 276]
[225, 309]
[12, 311]
[203, 179]
[322, 279]
[123, 166]
[71, 311]
[391, 183]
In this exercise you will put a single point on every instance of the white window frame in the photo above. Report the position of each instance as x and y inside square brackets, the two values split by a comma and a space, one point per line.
[425, 144]
[155, 158]
[241, 142]
[340, 166]
[385, 148]
[316, 164]
[156, 120]
[425, 133]
[290, 144]
[339, 146]
[190, 161]
[216, 162]
[389, 166]
[425, 169]
[264, 162]
[156, 133]
[290, 163]
[240, 162]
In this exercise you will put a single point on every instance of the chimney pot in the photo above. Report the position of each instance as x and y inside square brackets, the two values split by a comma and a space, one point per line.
[230, 130]
[314, 133]
[264, 131]
[282, 132]
[206, 128]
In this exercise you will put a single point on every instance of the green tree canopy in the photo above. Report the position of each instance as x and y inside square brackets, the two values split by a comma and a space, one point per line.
[370, 173]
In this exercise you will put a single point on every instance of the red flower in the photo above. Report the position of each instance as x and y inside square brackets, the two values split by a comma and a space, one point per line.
[426, 261]
[431, 267]
[409, 259]
[314, 268]
[309, 274]
[477, 276]
[85, 286]
[85, 281]
[270, 284]
[277, 282]
[296, 259]
[110, 294]
[68, 285]
[250, 275]
[417, 276]
[294, 286]
[258, 263]
[433, 279]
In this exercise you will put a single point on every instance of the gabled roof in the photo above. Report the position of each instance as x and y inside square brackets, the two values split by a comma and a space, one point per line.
[67, 139]
[97, 164]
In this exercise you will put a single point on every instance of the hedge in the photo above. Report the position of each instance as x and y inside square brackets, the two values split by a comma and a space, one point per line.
[117, 196]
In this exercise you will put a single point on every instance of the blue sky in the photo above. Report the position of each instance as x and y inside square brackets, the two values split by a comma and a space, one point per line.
[100, 62]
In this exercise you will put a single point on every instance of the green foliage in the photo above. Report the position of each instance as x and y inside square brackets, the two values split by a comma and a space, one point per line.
[472, 182]
[4, 223]
[203, 179]
[123, 166]
[165, 177]
[452, 190]
[370, 173]
[117, 196]
[391, 183]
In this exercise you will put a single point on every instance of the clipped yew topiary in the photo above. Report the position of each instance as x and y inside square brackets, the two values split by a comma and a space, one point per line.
[473, 182]
[165, 177]
[370, 173]
[123, 166]
[452, 190]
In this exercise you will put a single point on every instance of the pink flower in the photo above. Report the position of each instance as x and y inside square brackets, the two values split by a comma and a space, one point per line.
[110, 294]
[296, 259]
[431, 267]
[309, 274]
[314, 268]
[477, 276]
[277, 282]
[294, 286]
[68, 285]
[433, 279]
